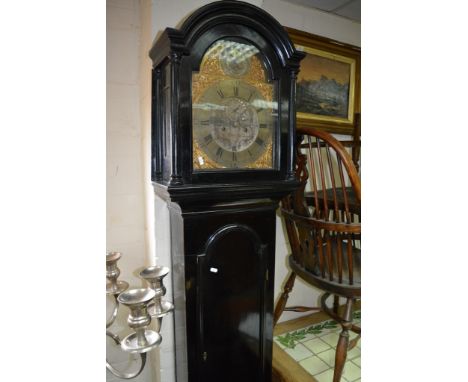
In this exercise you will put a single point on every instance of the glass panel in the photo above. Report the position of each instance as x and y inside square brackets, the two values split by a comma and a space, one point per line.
[234, 113]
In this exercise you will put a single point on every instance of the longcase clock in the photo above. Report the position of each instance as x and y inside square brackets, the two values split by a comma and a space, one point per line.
[223, 126]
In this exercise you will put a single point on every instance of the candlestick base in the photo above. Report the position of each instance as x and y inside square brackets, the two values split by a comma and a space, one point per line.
[130, 343]
[160, 310]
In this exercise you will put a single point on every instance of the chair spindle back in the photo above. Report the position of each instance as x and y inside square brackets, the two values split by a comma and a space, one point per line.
[322, 216]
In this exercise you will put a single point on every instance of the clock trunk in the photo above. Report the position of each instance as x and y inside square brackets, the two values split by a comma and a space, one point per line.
[224, 264]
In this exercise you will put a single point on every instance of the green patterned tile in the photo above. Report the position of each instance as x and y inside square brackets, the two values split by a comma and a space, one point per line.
[308, 337]
[290, 339]
[314, 347]
[278, 342]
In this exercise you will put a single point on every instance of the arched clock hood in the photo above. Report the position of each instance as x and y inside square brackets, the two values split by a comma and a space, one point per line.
[226, 12]
[176, 54]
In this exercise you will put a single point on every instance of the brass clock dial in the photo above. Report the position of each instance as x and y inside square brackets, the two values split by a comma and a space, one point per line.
[232, 124]
[233, 109]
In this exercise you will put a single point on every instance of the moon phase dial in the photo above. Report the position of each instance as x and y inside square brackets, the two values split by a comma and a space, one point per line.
[232, 125]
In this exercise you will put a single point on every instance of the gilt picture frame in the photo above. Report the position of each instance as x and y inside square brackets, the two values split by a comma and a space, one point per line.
[328, 84]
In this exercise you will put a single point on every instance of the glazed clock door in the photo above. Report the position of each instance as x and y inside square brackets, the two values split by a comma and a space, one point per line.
[234, 109]
[232, 288]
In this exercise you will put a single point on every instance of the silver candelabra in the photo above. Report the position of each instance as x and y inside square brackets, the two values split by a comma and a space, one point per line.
[144, 304]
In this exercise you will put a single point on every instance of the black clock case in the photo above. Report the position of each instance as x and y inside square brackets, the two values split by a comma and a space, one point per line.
[222, 222]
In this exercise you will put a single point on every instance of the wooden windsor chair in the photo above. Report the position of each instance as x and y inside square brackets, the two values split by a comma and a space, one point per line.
[324, 232]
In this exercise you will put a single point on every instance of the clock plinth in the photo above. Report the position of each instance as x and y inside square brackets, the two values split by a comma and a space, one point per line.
[223, 128]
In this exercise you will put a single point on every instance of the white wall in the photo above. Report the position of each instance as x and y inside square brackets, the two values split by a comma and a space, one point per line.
[131, 26]
[314, 21]
[125, 202]
[130, 227]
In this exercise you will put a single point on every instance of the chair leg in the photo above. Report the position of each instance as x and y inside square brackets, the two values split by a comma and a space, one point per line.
[284, 298]
[336, 301]
[343, 341]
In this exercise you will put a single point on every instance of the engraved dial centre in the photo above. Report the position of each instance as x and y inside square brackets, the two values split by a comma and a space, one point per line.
[238, 125]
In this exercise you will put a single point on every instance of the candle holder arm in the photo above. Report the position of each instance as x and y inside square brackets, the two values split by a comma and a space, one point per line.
[118, 373]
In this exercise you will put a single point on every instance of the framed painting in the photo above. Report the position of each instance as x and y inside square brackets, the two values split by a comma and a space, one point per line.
[328, 84]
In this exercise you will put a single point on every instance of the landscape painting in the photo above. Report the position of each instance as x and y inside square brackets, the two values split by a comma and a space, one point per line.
[325, 86]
